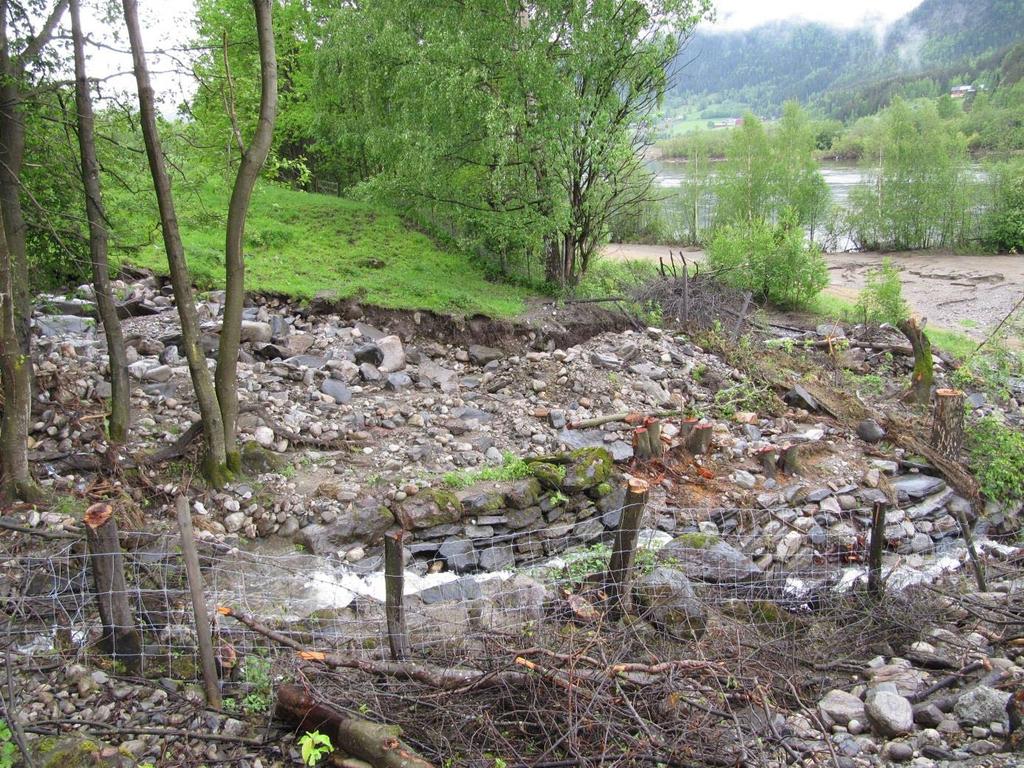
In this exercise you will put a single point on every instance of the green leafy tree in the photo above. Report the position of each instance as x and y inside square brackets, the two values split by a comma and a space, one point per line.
[744, 190]
[1003, 224]
[920, 194]
[515, 129]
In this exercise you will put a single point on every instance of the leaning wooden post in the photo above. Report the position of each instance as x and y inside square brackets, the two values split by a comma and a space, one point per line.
[620, 567]
[948, 423]
[211, 683]
[120, 638]
[875, 550]
[394, 587]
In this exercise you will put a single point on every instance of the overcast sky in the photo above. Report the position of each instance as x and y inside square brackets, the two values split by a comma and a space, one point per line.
[742, 14]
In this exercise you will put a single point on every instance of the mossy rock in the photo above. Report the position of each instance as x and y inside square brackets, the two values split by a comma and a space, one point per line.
[695, 540]
[257, 460]
[429, 508]
[600, 491]
[481, 500]
[523, 494]
[589, 468]
[77, 752]
[549, 475]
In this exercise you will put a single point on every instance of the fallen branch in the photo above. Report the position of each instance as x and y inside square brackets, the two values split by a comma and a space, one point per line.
[380, 745]
[874, 346]
[629, 417]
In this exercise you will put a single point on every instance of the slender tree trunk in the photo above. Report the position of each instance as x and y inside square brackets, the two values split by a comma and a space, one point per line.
[16, 373]
[248, 172]
[120, 388]
[12, 156]
[920, 391]
[215, 463]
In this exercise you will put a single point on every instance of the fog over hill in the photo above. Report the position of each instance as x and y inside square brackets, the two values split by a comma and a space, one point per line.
[845, 70]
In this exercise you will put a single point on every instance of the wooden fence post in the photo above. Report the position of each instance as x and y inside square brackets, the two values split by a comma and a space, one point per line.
[875, 550]
[394, 587]
[121, 637]
[204, 636]
[620, 567]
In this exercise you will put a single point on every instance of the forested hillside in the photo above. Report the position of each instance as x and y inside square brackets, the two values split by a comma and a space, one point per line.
[939, 43]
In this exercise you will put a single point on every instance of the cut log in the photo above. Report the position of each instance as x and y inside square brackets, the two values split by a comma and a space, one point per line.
[699, 440]
[920, 391]
[948, 423]
[379, 745]
[629, 417]
[120, 636]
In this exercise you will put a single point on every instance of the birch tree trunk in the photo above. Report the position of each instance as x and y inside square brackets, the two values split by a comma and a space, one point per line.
[234, 262]
[215, 462]
[120, 387]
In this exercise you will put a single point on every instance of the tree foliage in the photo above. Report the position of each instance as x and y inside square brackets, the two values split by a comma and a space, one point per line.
[772, 261]
[920, 191]
[516, 129]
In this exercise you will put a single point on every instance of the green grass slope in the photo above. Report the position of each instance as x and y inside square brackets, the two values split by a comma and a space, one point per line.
[298, 244]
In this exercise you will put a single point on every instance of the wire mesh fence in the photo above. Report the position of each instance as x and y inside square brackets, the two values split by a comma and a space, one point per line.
[527, 660]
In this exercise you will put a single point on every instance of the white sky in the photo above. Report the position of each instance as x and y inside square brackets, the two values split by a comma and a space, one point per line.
[743, 14]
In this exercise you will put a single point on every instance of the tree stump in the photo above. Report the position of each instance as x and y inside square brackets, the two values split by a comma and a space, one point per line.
[769, 457]
[647, 442]
[120, 636]
[699, 439]
[948, 423]
[920, 391]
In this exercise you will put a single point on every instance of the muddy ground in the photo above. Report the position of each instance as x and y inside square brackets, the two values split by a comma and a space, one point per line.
[968, 294]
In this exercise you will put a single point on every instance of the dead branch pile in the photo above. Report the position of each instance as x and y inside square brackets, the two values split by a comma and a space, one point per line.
[698, 301]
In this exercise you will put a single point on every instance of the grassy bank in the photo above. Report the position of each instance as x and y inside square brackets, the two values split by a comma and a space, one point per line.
[298, 244]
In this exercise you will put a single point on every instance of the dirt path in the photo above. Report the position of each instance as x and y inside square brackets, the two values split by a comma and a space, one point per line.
[968, 294]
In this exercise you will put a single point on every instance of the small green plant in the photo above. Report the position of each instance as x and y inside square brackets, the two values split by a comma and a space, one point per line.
[256, 672]
[881, 300]
[512, 468]
[314, 746]
[229, 705]
[8, 750]
[996, 456]
[558, 498]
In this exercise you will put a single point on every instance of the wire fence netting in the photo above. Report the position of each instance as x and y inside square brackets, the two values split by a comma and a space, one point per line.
[532, 663]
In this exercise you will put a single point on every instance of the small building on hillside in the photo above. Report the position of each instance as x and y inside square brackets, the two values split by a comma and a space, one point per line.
[961, 91]
[728, 122]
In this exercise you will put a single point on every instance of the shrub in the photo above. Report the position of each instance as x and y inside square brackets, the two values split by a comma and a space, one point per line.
[1003, 225]
[772, 261]
[881, 300]
[996, 454]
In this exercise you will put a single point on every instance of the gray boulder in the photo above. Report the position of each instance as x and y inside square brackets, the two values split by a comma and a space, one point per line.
[392, 354]
[666, 599]
[705, 558]
[481, 355]
[870, 431]
[369, 353]
[254, 331]
[841, 707]
[889, 713]
[63, 325]
[981, 706]
[336, 390]
[364, 520]
[460, 554]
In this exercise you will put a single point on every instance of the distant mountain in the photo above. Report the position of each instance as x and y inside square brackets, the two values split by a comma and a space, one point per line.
[845, 71]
